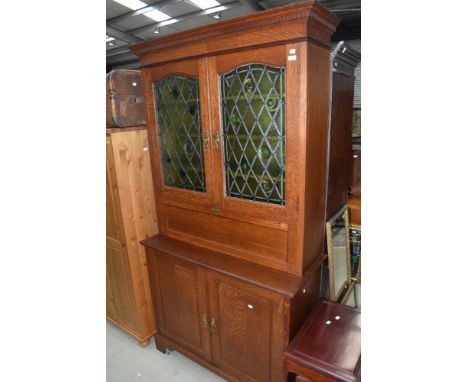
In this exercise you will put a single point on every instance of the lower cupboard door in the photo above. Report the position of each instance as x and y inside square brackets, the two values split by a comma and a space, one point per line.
[246, 335]
[181, 303]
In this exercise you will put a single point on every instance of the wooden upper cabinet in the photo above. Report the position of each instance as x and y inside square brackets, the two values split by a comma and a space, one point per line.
[238, 118]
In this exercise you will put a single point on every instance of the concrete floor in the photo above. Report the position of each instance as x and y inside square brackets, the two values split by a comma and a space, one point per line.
[127, 361]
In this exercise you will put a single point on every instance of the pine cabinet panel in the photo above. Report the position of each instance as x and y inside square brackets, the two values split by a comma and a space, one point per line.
[120, 282]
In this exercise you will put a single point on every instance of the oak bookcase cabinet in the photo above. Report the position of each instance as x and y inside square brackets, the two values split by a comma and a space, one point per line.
[130, 217]
[238, 119]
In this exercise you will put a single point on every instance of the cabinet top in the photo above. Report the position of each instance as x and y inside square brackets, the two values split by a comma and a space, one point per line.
[280, 282]
[307, 20]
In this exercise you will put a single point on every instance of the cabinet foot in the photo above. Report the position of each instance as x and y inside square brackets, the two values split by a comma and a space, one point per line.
[144, 343]
[160, 346]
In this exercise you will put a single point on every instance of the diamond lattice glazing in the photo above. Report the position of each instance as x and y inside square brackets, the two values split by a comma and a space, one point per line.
[253, 108]
[179, 129]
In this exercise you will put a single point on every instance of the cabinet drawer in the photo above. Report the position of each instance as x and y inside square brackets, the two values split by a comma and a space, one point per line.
[263, 245]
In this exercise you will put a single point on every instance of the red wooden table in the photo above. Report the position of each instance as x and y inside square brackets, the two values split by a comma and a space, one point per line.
[327, 348]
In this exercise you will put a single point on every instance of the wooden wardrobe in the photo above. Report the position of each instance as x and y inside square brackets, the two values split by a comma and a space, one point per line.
[131, 217]
[238, 117]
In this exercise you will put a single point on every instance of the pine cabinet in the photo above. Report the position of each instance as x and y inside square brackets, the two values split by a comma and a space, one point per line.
[130, 217]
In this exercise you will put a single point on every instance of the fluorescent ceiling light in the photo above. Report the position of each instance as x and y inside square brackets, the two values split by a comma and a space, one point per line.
[204, 4]
[157, 15]
[108, 38]
[137, 4]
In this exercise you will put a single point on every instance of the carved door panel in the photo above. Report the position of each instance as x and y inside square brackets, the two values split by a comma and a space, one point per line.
[181, 301]
[242, 326]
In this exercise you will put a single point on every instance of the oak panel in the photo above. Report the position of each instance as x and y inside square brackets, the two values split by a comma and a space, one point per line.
[241, 239]
[244, 325]
[249, 342]
[181, 303]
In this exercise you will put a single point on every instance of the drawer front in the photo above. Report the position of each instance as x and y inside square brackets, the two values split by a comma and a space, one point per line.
[260, 244]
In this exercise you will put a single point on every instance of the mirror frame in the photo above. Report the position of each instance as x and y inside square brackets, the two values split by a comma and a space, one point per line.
[358, 275]
[350, 292]
[334, 295]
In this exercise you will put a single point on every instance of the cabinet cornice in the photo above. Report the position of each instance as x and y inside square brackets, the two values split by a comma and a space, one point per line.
[307, 20]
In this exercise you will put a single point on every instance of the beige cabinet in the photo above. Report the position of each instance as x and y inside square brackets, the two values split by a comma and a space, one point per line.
[130, 217]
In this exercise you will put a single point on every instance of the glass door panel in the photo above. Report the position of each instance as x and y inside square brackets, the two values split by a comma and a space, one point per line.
[253, 129]
[179, 129]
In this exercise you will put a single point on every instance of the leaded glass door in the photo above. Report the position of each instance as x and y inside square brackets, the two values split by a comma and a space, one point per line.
[249, 93]
[181, 131]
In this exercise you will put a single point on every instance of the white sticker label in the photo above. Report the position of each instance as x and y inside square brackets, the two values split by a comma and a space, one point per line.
[134, 84]
[145, 148]
[250, 306]
[328, 322]
[292, 51]
[292, 58]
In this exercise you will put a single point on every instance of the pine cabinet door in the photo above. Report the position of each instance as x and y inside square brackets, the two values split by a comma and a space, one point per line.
[254, 111]
[179, 131]
[246, 330]
[181, 303]
[120, 285]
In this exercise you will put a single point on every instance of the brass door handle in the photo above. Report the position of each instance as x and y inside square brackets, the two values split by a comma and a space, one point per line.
[216, 139]
[212, 327]
[205, 321]
[206, 140]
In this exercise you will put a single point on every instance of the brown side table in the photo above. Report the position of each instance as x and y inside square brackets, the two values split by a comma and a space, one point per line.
[327, 348]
